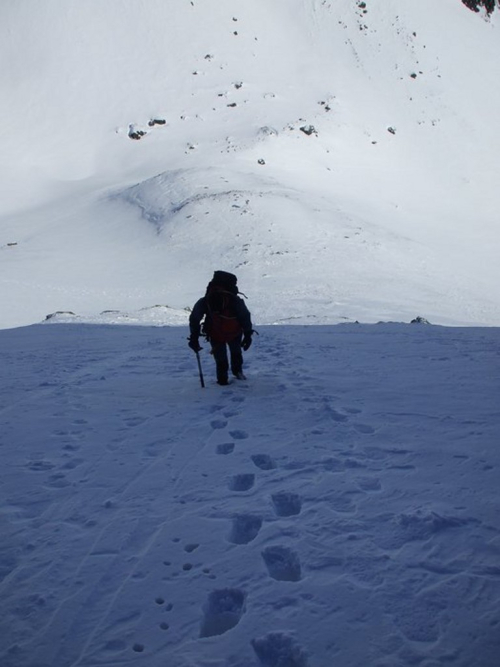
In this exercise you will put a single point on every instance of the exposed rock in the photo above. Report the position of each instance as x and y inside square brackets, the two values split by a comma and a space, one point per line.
[135, 133]
[157, 121]
[476, 5]
[59, 312]
[308, 129]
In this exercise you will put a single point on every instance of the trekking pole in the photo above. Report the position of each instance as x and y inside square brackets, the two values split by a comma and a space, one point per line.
[202, 381]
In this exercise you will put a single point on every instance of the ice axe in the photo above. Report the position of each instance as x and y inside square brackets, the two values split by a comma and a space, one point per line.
[202, 381]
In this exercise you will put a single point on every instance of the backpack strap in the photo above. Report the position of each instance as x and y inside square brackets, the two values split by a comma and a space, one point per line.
[221, 322]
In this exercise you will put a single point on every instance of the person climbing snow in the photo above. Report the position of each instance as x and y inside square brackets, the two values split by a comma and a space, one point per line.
[227, 324]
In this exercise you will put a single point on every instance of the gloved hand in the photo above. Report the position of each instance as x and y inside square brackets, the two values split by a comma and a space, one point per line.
[247, 341]
[194, 343]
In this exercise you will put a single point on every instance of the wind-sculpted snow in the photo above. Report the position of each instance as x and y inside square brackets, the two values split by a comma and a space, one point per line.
[340, 507]
[159, 199]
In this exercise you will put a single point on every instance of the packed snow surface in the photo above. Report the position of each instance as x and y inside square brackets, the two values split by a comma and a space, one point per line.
[340, 507]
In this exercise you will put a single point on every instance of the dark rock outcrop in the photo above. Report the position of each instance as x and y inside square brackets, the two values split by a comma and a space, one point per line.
[475, 5]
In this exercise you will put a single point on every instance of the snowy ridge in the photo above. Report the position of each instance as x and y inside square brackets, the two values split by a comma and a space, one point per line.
[153, 316]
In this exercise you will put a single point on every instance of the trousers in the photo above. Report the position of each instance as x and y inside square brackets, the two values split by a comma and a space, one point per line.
[219, 351]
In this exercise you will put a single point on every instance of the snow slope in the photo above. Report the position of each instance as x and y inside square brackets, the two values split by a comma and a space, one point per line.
[339, 508]
[350, 222]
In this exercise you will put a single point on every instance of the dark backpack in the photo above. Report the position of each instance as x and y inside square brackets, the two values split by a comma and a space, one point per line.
[221, 323]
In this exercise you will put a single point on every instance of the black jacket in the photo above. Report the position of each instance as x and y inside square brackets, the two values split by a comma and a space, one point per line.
[200, 310]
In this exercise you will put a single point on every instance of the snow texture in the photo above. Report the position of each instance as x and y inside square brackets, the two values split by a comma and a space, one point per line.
[338, 507]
